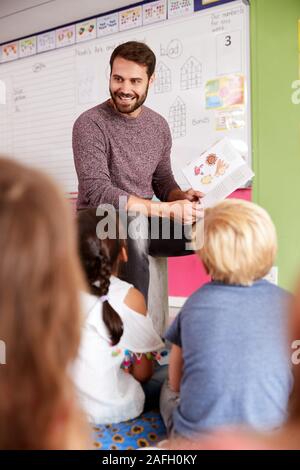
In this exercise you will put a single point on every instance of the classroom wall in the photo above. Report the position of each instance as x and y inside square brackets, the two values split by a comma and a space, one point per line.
[276, 120]
[276, 125]
[19, 18]
[275, 139]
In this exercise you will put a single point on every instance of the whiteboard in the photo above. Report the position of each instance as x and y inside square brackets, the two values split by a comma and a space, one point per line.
[201, 88]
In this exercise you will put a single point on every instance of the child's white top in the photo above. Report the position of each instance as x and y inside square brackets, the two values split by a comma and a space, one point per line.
[107, 393]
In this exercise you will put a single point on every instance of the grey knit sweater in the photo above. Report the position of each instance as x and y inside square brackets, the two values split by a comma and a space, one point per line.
[117, 156]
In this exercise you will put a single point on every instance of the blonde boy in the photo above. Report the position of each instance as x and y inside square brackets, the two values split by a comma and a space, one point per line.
[229, 362]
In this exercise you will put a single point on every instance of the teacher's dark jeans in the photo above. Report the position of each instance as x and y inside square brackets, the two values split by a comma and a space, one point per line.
[158, 237]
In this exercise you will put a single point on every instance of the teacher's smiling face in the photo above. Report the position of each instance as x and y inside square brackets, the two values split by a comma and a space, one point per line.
[128, 86]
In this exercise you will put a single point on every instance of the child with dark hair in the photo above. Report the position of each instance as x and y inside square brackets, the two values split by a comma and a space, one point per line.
[117, 332]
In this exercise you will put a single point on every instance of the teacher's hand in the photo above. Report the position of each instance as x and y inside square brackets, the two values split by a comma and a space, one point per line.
[193, 195]
[183, 211]
[190, 195]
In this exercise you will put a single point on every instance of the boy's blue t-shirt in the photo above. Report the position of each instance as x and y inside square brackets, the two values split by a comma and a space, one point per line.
[237, 366]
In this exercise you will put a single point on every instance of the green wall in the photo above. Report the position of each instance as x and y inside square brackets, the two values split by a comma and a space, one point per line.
[276, 125]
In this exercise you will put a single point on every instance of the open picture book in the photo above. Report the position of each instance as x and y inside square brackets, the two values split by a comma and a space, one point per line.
[218, 172]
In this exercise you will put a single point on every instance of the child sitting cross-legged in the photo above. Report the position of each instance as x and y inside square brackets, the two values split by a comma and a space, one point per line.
[117, 332]
[229, 363]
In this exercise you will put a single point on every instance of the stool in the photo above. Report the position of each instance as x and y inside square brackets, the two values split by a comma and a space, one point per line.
[158, 305]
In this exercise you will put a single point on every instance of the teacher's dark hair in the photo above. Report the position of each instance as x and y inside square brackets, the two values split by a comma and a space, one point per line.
[136, 52]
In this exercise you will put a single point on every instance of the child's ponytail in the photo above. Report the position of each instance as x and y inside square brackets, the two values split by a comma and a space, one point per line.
[110, 317]
[98, 258]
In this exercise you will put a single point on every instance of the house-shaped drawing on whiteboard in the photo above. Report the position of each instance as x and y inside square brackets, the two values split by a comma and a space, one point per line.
[177, 118]
[163, 81]
[191, 74]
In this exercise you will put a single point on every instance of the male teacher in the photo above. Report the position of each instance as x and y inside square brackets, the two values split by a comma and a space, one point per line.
[122, 157]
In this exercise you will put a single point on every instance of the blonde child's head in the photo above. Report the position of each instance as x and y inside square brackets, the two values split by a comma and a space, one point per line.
[239, 242]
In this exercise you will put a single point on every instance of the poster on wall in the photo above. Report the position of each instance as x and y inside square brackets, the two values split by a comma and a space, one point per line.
[224, 92]
[9, 51]
[107, 24]
[131, 18]
[65, 36]
[201, 4]
[27, 47]
[86, 30]
[46, 41]
[230, 118]
[178, 8]
[154, 11]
